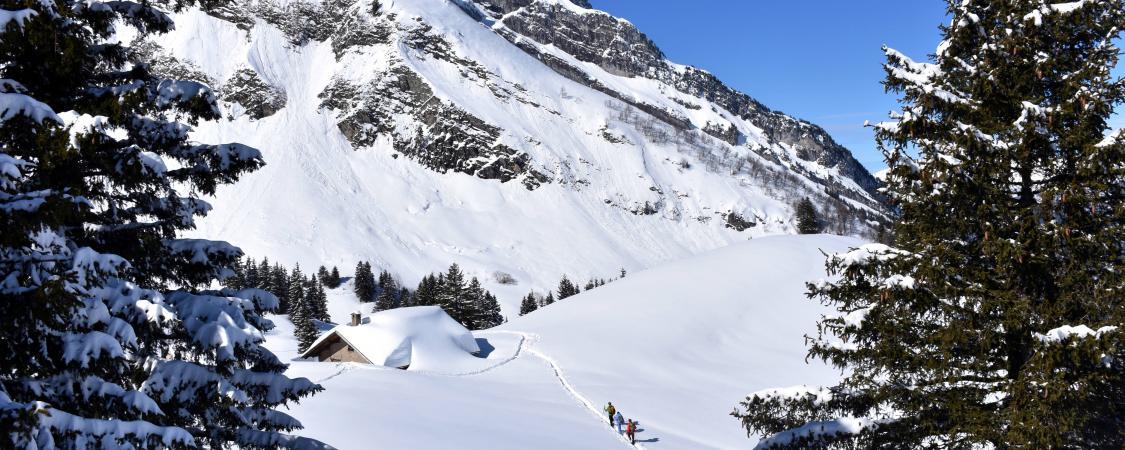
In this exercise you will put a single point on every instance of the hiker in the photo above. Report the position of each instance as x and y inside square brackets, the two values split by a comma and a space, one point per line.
[631, 431]
[611, 411]
[620, 420]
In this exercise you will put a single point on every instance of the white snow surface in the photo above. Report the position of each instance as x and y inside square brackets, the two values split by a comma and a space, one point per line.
[319, 201]
[674, 348]
[422, 337]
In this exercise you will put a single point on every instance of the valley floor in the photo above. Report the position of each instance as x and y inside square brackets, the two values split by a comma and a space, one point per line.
[675, 347]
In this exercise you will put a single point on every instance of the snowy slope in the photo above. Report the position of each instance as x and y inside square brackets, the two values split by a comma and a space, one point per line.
[675, 347]
[546, 176]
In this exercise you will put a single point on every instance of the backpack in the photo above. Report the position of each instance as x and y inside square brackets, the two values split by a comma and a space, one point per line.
[612, 410]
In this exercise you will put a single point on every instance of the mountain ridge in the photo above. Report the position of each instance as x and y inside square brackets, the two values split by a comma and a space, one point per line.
[419, 134]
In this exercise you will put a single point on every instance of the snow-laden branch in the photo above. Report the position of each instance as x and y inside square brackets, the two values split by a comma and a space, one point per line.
[818, 430]
[1067, 332]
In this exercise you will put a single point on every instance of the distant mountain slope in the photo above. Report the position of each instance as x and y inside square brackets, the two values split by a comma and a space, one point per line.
[535, 138]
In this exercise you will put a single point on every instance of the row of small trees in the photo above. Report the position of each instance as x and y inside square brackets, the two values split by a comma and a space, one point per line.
[566, 289]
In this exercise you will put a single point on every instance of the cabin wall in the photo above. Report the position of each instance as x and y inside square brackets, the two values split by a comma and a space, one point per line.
[340, 351]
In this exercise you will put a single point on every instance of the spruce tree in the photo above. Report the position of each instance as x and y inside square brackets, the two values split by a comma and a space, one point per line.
[278, 282]
[109, 332]
[317, 300]
[262, 281]
[528, 304]
[996, 319]
[548, 300]
[426, 294]
[808, 220]
[333, 278]
[304, 329]
[296, 293]
[567, 288]
[405, 299]
[487, 311]
[451, 295]
[388, 296]
[364, 282]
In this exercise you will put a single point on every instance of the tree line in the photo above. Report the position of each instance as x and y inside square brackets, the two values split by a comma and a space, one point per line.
[466, 301]
[566, 289]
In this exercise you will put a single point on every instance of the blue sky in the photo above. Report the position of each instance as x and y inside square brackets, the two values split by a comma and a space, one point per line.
[818, 60]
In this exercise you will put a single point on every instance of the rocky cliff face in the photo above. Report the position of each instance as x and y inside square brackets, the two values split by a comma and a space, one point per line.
[532, 137]
[619, 48]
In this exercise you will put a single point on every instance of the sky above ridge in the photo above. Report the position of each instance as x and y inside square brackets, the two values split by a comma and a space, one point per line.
[818, 60]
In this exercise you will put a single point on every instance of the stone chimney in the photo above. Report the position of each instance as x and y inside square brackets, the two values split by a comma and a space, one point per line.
[356, 318]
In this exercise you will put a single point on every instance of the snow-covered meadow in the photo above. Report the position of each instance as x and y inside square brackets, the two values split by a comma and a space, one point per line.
[675, 347]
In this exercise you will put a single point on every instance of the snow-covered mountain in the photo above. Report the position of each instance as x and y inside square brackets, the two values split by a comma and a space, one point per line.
[530, 137]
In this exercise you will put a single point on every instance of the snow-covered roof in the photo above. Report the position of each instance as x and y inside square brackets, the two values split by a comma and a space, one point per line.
[422, 337]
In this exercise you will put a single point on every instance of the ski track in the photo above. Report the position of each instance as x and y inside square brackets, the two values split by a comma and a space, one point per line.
[524, 346]
[582, 400]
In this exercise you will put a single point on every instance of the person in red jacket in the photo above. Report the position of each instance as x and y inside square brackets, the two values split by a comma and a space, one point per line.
[631, 431]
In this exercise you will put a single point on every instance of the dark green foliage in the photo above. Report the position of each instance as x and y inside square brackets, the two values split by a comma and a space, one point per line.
[316, 299]
[427, 292]
[304, 329]
[108, 315]
[333, 280]
[388, 293]
[364, 282]
[808, 220]
[567, 288]
[549, 299]
[1012, 224]
[529, 304]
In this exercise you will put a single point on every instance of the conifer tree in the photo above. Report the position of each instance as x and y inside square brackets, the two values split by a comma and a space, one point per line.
[296, 294]
[317, 300]
[808, 220]
[322, 274]
[109, 336]
[388, 295]
[426, 294]
[451, 295]
[529, 304]
[333, 278]
[262, 280]
[997, 319]
[364, 282]
[304, 329]
[487, 311]
[549, 299]
[567, 288]
[405, 299]
[277, 281]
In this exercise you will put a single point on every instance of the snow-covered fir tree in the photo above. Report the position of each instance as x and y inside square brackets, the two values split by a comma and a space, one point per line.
[996, 319]
[333, 280]
[109, 337]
